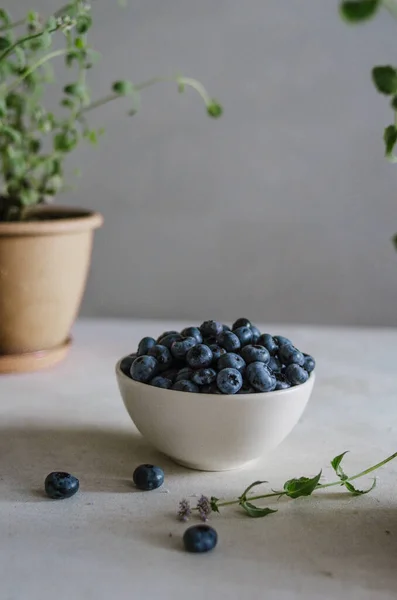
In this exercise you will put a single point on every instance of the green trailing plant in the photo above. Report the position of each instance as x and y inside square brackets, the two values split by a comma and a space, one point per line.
[34, 141]
[384, 77]
[293, 488]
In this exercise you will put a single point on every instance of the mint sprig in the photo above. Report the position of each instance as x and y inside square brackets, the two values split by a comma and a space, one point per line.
[293, 488]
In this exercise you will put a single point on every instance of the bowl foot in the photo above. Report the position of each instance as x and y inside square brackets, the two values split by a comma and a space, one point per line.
[215, 468]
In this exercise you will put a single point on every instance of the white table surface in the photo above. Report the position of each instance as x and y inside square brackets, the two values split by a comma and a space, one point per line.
[110, 541]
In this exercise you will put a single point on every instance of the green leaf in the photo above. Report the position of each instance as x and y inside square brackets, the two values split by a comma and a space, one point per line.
[357, 492]
[394, 240]
[33, 17]
[13, 134]
[28, 197]
[214, 504]
[255, 511]
[214, 109]
[67, 102]
[385, 79]
[390, 139]
[53, 185]
[5, 17]
[51, 24]
[304, 486]
[74, 89]
[79, 43]
[66, 140]
[92, 136]
[181, 87]
[359, 10]
[336, 465]
[4, 43]
[243, 496]
[123, 88]
[71, 57]
[83, 24]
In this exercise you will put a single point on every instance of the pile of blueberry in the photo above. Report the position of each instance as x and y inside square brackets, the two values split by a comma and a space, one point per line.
[217, 359]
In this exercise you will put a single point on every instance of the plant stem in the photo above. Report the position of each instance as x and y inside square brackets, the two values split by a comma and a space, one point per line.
[320, 486]
[27, 38]
[391, 6]
[193, 83]
[35, 66]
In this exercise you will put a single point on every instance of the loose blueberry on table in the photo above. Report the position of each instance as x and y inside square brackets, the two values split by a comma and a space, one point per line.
[216, 359]
[200, 538]
[148, 477]
[59, 485]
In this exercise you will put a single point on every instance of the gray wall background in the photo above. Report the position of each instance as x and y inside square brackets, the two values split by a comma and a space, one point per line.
[283, 209]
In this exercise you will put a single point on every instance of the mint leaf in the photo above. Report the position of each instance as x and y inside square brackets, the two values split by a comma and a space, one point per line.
[304, 486]
[385, 79]
[390, 139]
[336, 465]
[255, 511]
[243, 496]
[214, 109]
[123, 88]
[358, 11]
[357, 492]
[214, 504]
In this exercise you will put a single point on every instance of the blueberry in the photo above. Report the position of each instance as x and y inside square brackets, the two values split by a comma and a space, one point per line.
[229, 341]
[185, 373]
[170, 374]
[241, 323]
[180, 349]
[185, 385]
[210, 389]
[229, 381]
[296, 374]
[226, 328]
[193, 332]
[169, 339]
[59, 485]
[161, 382]
[256, 334]
[255, 354]
[217, 352]
[199, 356]
[204, 376]
[144, 345]
[211, 328]
[274, 364]
[125, 364]
[200, 538]
[162, 355]
[260, 377]
[282, 385]
[290, 355]
[166, 334]
[269, 342]
[244, 334]
[148, 477]
[310, 363]
[234, 361]
[282, 341]
[144, 368]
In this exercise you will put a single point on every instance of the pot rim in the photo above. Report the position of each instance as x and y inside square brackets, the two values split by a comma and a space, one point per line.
[72, 220]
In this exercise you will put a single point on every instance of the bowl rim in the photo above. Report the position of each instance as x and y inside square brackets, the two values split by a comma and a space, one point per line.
[274, 393]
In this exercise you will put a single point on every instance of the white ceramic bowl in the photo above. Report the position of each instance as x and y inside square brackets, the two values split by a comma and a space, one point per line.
[213, 432]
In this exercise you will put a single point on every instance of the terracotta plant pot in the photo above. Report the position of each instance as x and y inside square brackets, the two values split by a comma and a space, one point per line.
[44, 264]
